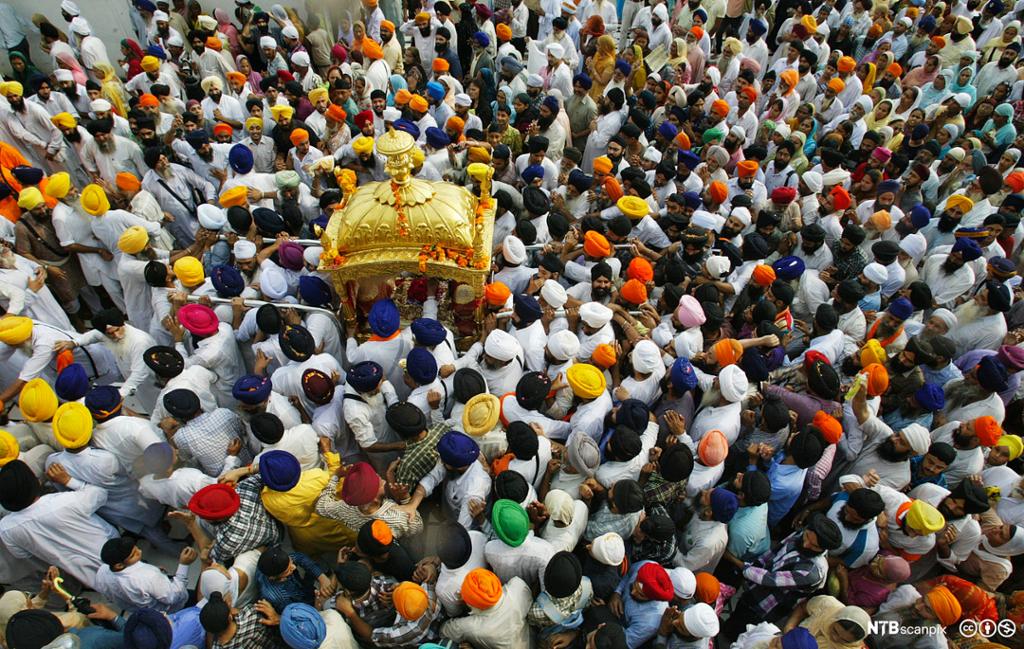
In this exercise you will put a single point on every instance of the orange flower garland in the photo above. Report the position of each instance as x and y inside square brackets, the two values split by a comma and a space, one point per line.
[403, 220]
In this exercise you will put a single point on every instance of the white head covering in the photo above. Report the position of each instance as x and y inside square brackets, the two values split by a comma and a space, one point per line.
[661, 12]
[595, 315]
[513, 250]
[717, 265]
[501, 345]
[211, 82]
[957, 154]
[268, 42]
[535, 81]
[646, 357]
[161, 16]
[63, 75]
[273, 282]
[813, 181]
[311, 255]
[211, 217]
[914, 245]
[700, 620]
[462, 99]
[243, 249]
[1011, 548]
[876, 272]
[652, 154]
[560, 506]
[70, 8]
[81, 26]
[100, 106]
[608, 549]
[392, 114]
[742, 214]
[555, 50]
[563, 345]
[963, 99]
[289, 31]
[554, 294]
[301, 59]
[684, 582]
[209, 23]
[715, 74]
[733, 384]
[865, 102]
[946, 316]
[174, 40]
[835, 177]
[918, 438]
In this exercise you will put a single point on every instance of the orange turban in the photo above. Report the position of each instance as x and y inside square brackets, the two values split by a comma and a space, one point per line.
[840, 198]
[875, 30]
[728, 351]
[746, 168]
[881, 220]
[298, 136]
[388, 25]
[234, 197]
[720, 107]
[945, 606]
[418, 103]
[596, 245]
[878, 379]
[829, 426]
[939, 41]
[683, 141]
[478, 154]
[503, 32]
[718, 191]
[127, 182]
[895, 69]
[225, 129]
[496, 293]
[697, 31]
[988, 430]
[148, 100]
[481, 589]
[455, 123]
[372, 49]
[634, 292]
[214, 43]
[763, 275]
[402, 97]
[846, 64]
[409, 598]
[613, 188]
[603, 356]
[381, 532]
[640, 269]
[790, 76]
[440, 65]
[837, 85]
[707, 587]
[236, 76]
[1016, 181]
[336, 113]
[602, 165]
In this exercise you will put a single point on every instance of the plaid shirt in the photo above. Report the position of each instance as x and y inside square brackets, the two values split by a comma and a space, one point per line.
[248, 528]
[782, 577]
[370, 608]
[205, 439]
[420, 456]
[848, 265]
[329, 506]
[295, 588]
[651, 549]
[411, 633]
[659, 491]
[250, 634]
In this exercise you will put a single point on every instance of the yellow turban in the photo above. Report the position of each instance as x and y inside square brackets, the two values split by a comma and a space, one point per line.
[959, 200]
[72, 425]
[190, 271]
[9, 449]
[923, 518]
[30, 198]
[316, 94]
[281, 112]
[67, 120]
[586, 381]
[94, 200]
[872, 352]
[236, 196]
[1013, 443]
[478, 154]
[481, 414]
[37, 401]
[418, 156]
[58, 185]
[13, 89]
[362, 145]
[133, 240]
[150, 63]
[15, 329]
[633, 206]
[253, 121]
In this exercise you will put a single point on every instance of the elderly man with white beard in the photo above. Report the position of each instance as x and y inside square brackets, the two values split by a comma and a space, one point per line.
[981, 321]
[37, 138]
[107, 153]
[949, 275]
[977, 393]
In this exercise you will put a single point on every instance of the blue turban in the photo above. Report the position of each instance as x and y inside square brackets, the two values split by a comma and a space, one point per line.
[532, 172]
[799, 638]
[240, 158]
[252, 389]
[103, 401]
[197, 138]
[72, 383]
[526, 307]
[668, 130]
[887, 186]
[365, 376]
[920, 216]
[581, 181]
[407, 126]
[901, 308]
[691, 160]
[510, 64]
[992, 374]
[27, 175]
[280, 470]
[724, 504]
[267, 221]
[435, 90]
[623, 66]
[995, 7]
[421, 366]
[584, 80]
[148, 629]
[319, 222]
[314, 291]
[928, 23]
[931, 397]
[634, 414]
[703, 15]
[551, 104]
[302, 627]
[968, 248]
[1002, 264]
[757, 27]
[384, 318]
[157, 51]
[682, 375]
[227, 280]
[428, 331]
[482, 38]
[788, 268]
[145, 5]
[457, 449]
[999, 298]
[437, 138]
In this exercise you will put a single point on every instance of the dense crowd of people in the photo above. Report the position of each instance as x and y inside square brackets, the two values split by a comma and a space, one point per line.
[746, 372]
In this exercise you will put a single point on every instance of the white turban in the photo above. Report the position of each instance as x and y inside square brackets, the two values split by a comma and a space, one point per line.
[535, 81]
[211, 217]
[513, 250]
[918, 438]
[684, 582]
[554, 294]
[560, 506]
[63, 75]
[646, 358]
[835, 177]
[311, 255]
[652, 154]
[70, 8]
[813, 181]
[957, 154]
[100, 106]
[719, 154]
[268, 42]
[555, 50]
[273, 282]
[715, 74]
[782, 130]
[210, 83]
[946, 316]
[608, 549]
[462, 99]
[865, 102]
[289, 31]
[392, 114]
[717, 265]
[738, 131]
[243, 249]
[501, 345]
[595, 315]
[733, 384]
[914, 245]
[876, 272]
[174, 40]
[707, 220]
[742, 214]
[161, 16]
[963, 99]
[301, 59]
[209, 23]
[700, 620]
[81, 26]
[661, 12]
[563, 345]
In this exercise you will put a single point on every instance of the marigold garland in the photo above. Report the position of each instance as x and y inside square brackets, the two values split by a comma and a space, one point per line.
[402, 221]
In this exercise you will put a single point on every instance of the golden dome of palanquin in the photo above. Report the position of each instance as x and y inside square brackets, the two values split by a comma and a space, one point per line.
[407, 224]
